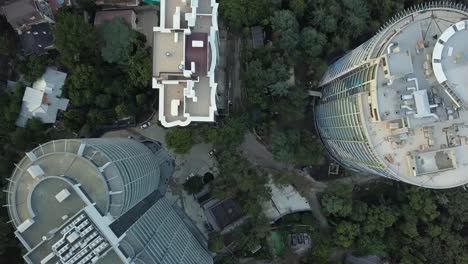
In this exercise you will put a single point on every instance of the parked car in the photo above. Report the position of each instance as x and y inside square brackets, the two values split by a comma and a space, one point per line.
[145, 125]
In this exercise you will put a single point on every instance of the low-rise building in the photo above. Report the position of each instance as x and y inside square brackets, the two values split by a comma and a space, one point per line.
[223, 215]
[37, 40]
[43, 100]
[185, 55]
[106, 15]
[22, 14]
[121, 3]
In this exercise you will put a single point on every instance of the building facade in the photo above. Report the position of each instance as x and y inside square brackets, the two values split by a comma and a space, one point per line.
[395, 107]
[100, 201]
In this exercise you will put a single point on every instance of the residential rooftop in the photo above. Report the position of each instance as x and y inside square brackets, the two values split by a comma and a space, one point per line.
[185, 54]
[106, 15]
[37, 39]
[43, 100]
[22, 14]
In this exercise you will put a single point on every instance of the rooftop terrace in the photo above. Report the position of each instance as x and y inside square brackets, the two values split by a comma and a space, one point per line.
[184, 60]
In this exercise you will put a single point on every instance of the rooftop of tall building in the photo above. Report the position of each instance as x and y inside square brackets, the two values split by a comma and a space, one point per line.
[417, 110]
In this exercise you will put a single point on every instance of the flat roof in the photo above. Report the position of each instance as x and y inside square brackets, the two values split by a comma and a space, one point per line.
[40, 204]
[419, 133]
[168, 53]
[454, 59]
[21, 12]
[185, 54]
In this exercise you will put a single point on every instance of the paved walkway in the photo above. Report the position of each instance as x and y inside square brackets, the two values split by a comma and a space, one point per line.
[258, 154]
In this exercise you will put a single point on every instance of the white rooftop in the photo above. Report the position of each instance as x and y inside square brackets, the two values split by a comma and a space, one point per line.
[43, 100]
[284, 200]
[185, 55]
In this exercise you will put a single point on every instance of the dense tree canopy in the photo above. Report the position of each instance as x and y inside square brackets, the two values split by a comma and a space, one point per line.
[74, 38]
[313, 42]
[83, 85]
[33, 67]
[117, 38]
[140, 69]
[401, 222]
[240, 13]
[180, 139]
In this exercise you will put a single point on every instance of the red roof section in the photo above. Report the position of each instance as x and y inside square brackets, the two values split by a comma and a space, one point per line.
[197, 55]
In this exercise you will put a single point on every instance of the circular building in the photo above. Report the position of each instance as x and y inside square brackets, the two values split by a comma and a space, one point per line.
[397, 105]
[98, 201]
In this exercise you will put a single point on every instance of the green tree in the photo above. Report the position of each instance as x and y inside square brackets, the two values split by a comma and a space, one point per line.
[194, 185]
[338, 200]
[284, 22]
[122, 110]
[233, 13]
[345, 234]
[292, 109]
[279, 89]
[73, 119]
[74, 38]
[371, 244]
[378, 219]
[21, 138]
[141, 99]
[215, 242]
[95, 118]
[237, 178]
[326, 15]
[103, 101]
[309, 150]
[359, 212]
[10, 107]
[83, 85]
[231, 134]
[33, 68]
[312, 42]
[283, 145]
[139, 69]
[355, 17]
[298, 7]
[180, 139]
[321, 249]
[256, 84]
[117, 38]
[244, 13]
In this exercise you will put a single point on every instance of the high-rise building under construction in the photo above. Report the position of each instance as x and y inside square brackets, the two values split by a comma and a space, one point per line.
[397, 105]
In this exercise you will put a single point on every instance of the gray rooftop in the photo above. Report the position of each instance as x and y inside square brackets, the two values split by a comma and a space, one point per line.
[421, 132]
[74, 201]
[20, 13]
